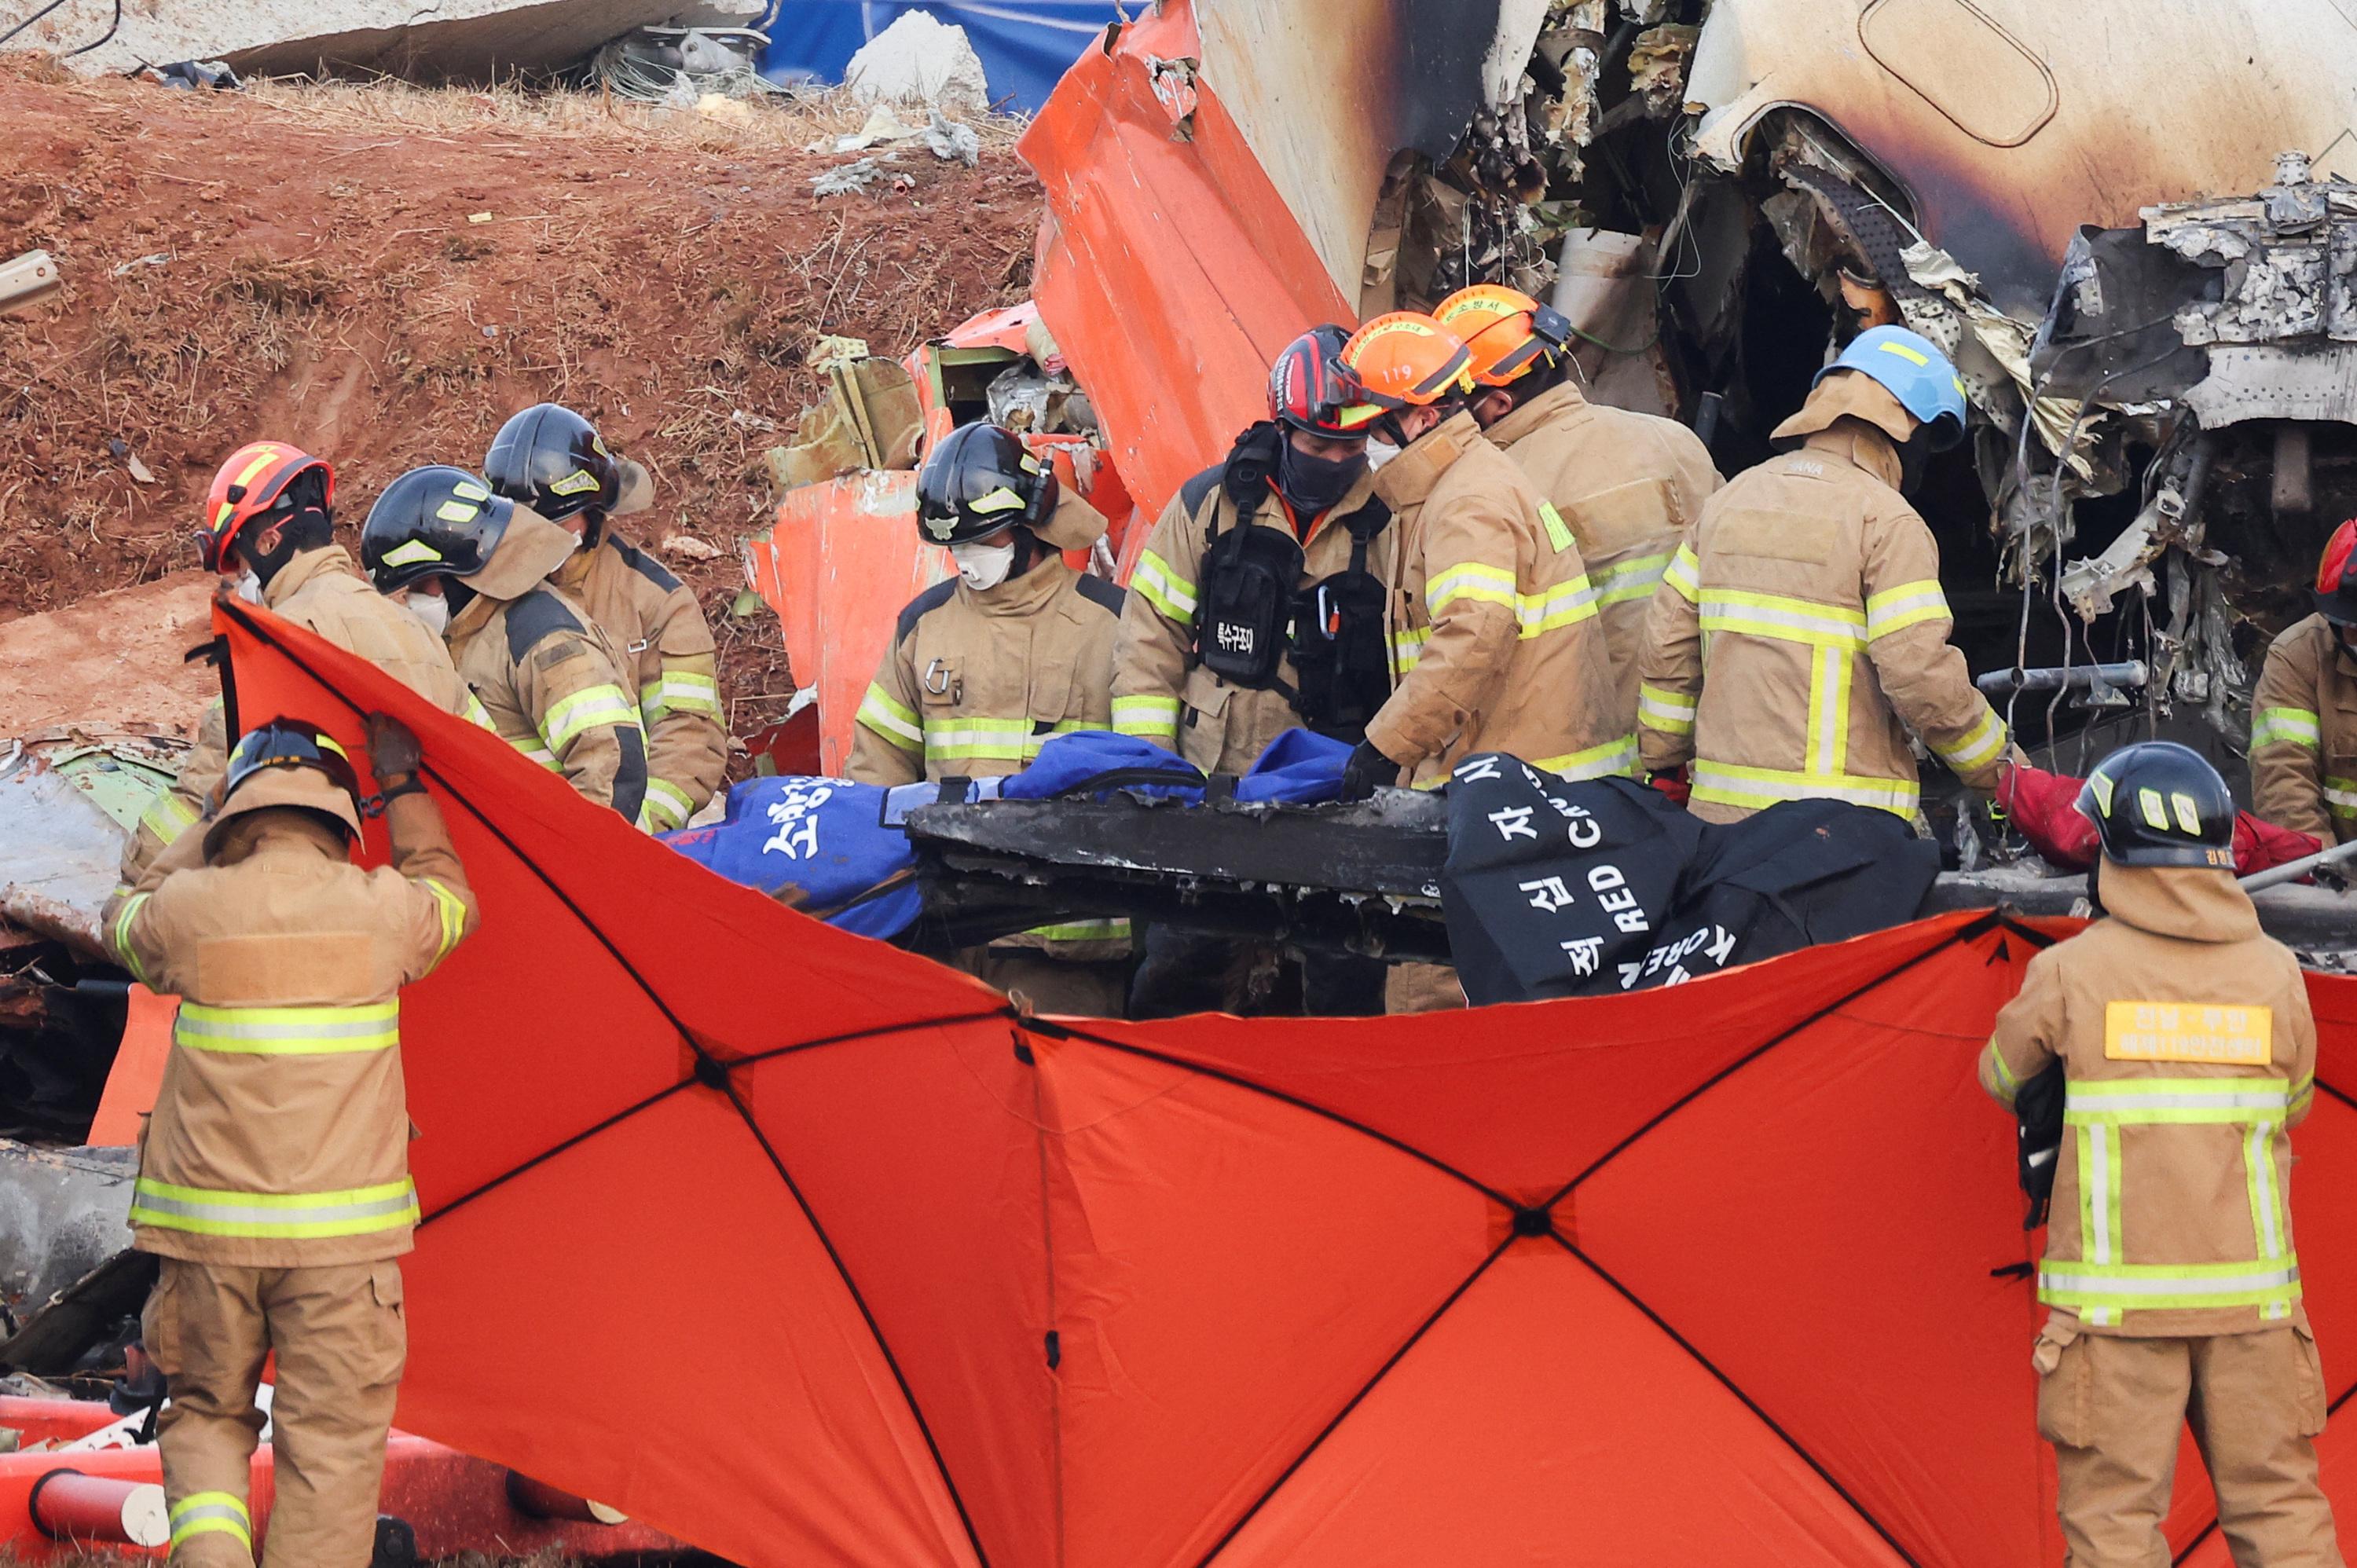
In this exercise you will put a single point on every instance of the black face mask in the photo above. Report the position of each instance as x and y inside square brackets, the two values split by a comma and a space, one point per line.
[460, 595]
[1914, 453]
[1311, 485]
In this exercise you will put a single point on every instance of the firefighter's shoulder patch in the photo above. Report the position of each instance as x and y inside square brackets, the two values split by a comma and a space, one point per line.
[539, 614]
[920, 607]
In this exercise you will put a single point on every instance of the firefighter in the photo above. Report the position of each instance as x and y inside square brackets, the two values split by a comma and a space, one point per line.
[273, 1177]
[984, 668]
[555, 688]
[270, 533]
[1627, 485]
[550, 459]
[1497, 643]
[1260, 604]
[2304, 716]
[1803, 633]
[2187, 1053]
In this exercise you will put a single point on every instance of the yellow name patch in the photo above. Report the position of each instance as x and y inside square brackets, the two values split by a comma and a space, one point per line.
[2188, 1032]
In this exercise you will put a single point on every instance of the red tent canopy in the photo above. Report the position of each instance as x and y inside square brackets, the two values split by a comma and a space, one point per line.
[807, 1250]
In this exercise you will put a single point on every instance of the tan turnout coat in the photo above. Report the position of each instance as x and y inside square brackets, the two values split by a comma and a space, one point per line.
[1496, 641]
[2304, 733]
[1801, 636]
[2188, 1053]
[280, 1134]
[1631, 487]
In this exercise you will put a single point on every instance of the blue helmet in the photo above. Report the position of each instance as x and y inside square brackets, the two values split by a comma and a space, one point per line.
[1916, 372]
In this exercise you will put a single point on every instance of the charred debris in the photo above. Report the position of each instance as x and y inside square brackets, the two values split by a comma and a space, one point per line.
[2165, 391]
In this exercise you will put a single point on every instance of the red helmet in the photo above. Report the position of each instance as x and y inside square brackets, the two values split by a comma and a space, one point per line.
[258, 479]
[1310, 388]
[2336, 585]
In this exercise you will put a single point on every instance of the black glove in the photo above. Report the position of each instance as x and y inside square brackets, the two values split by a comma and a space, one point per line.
[1367, 771]
[392, 750]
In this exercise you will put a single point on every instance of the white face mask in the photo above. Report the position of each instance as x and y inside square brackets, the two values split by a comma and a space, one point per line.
[248, 587]
[1380, 452]
[431, 608]
[983, 565]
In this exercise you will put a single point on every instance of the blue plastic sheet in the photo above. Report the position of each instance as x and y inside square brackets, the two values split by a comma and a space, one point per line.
[1025, 44]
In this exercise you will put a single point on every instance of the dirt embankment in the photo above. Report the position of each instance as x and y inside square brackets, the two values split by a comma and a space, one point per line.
[314, 264]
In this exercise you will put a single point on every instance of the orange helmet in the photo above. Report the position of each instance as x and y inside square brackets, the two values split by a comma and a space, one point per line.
[1505, 330]
[258, 479]
[1405, 360]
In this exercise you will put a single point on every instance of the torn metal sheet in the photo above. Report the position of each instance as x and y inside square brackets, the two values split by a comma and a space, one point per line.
[67, 805]
[2010, 123]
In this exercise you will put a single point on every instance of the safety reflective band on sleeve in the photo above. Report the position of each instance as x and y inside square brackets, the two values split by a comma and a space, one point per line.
[1083, 931]
[1407, 647]
[1565, 603]
[1726, 784]
[168, 816]
[1783, 619]
[667, 806]
[2340, 796]
[1910, 604]
[2151, 1102]
[536, 752]
[888, 718]
[453, 910]
[1613, 759]
[292, 1031]
[593, 707]
[129, 912]
[1978, 748]
[1163, 588]
[1471, 580]
[2101, 1291]
[286, 1216]
[207, 1513]
[1626, 580]
[1997, 1075]
[474, 714]
[684, 690]
[2303, 1095]
[1684, 574]
[970, 738]
[1147, 717]
[2297, 725]
[1664, 711]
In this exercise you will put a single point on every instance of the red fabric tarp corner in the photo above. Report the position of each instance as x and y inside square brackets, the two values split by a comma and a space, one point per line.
[806, 1249]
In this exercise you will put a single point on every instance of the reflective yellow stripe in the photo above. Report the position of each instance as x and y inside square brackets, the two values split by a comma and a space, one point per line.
[531, 749]
[2303, 1095]
[594, 707]
[1664, 711]
[1473, 580]
[474, 712]
[1147, 717]
[354, 1212]
[1828, 737]
[2153, 1102]
[204, 1513]
[888, 718]
[453, 910]
[2340, 796]
[2007, 1085]
[129, 912]
[1910, 604]
[1407, 647]
[1979, 746]
[1613, 759]
[683, 690]
[667, 806]
[2101, 1291]
[1565, 603]
[168, 816]
[1115, 930]
[1684, 574]
[1783, 619]
[290, 1031]
[1163, 588]
[1726, 784]
[2297, 725]
[1626, 580]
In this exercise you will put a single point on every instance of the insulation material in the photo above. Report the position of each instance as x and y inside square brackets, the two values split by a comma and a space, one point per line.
[2004, 340]
[1222, 1291]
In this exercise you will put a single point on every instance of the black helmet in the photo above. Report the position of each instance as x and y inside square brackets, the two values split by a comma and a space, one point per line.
[432, 522]
[1310, 388]
[2159, 803]
[550, 458]
[289, 743]
[979, 480]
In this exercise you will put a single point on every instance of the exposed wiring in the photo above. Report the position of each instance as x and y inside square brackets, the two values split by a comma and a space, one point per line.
[112, 27]
[28, 21]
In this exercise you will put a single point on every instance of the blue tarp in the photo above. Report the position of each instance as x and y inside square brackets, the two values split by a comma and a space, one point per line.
[1025, 44]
